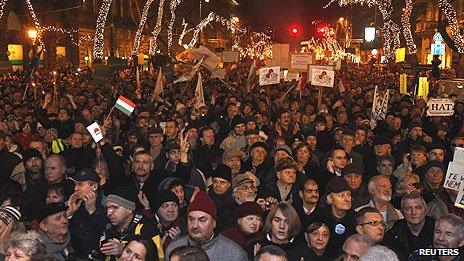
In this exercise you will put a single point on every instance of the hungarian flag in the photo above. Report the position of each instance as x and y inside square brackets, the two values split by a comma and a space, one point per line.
[125, 105]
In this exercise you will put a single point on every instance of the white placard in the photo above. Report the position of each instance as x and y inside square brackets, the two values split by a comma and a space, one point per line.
[291, 76]
[95, 131]
[459, 155]
[230, 56]
[322, 78]
[269, 75]
[454, 176]
[300, 61]
[460, 198]
[440, 107]
[322, 67]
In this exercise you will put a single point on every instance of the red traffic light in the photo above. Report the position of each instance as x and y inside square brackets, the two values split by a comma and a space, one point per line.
[295, 30]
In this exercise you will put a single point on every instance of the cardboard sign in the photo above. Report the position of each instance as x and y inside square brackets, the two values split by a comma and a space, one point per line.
[459, 155]
[300, 61]
[460, 198]
[95, 130]
[321, 67]
[454, 176]
[403, 83]
[400, 55]
[269, 75]
[230, 56]
[440, 107]
[322, 78]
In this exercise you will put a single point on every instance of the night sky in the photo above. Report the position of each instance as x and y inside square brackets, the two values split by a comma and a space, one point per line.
[280, 14]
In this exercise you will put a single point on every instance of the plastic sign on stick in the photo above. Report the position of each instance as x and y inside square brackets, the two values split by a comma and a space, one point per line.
[95, 130]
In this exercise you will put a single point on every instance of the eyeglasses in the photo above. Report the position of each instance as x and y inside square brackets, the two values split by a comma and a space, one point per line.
[374, 223]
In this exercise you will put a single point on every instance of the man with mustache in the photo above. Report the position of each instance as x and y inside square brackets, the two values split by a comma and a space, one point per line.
[201, 222]
[380, 189]
[306, 206]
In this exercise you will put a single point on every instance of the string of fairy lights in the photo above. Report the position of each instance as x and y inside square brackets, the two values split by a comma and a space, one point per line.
[451, 16]
[320, 47]
[100, 29]
[156, 30]
[405, 22]
[172, 8]
[2, 5]
[138, 33]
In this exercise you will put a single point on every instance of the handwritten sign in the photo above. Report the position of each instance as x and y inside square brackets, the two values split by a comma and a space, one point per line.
[300, 61]
[460, 198]
[454, 176]
[440, 107]
[230, 56]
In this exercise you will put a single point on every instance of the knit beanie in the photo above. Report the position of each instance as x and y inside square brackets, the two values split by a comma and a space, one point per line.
[124, 196]
[9, 214]
[162, 197]
[31, 153]
[237, 120]
[222, 171]
[247, 209]
[202, 202]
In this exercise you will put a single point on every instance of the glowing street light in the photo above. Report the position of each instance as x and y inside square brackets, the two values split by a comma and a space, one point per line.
[32, 33]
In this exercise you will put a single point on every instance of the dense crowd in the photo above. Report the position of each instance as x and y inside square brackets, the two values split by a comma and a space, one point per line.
[246, 175]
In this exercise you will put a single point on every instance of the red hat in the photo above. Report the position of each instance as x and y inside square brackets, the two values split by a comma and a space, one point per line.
[202, 202]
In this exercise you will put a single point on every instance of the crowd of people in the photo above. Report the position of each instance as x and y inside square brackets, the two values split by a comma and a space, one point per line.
[250, 174]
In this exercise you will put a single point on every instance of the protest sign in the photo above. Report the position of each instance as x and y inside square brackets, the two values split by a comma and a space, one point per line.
[440, 107]
[269, 75]
[279, 55]
[400, 55]
[323, 78]
[95, 130]
[459, 155]
[230, 56]
[454, 176]
[311, 67]
[300, 61]
[460, 198]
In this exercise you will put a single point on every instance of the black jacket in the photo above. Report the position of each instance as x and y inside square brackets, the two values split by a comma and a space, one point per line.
[400, 239]
[295, 250]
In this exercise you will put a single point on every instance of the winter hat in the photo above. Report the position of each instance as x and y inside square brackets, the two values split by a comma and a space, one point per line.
[337, 185]
[436, 164]
[259, 144]
[162, 197]
[251, 132]
[51, 209]
[31, 153]
[53, 131]
[286, 163]
[355, 167]
[320, 118]
[237, 120]
[284, 148]
[124, 196]
[380, 140]
[9, 214]
[222, 171]
[248, 208]
[202, 202]
[232, 153]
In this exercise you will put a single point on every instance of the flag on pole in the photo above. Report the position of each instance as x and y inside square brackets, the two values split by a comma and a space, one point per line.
[137, 77]
[125, 105]
[379, 106]
[32, 66]
[301, 84]
[159, 87]
[251, 75]
[188, 76]
[199, 94]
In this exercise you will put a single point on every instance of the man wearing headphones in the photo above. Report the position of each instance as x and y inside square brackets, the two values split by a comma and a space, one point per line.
[86, 211]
